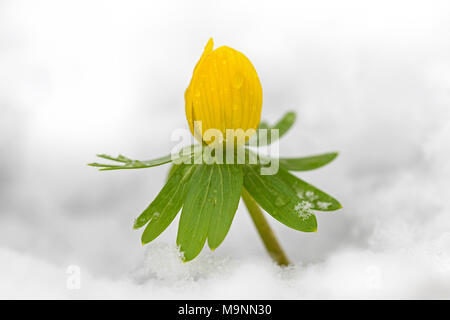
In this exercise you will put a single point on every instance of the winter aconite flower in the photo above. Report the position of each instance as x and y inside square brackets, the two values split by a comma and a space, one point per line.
[225, 95]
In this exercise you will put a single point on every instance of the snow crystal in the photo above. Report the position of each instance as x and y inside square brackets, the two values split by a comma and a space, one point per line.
[311, 196]
[303, 209]
[323, 205]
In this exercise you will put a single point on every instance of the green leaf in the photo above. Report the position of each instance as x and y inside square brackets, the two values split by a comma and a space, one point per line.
[127, 163]
[279, 199]
[227, 181]
[199, 205]
[166, 205]
[283, 125]
[307, 163]
[263, 125]
[317, 199]
[172, 169]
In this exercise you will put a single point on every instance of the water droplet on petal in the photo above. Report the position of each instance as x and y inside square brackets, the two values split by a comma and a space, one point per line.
[238, 80]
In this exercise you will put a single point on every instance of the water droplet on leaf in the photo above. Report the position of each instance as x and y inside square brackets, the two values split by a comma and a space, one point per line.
[280, 201]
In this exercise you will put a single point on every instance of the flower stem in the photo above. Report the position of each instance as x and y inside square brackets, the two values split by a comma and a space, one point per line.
[264, 230]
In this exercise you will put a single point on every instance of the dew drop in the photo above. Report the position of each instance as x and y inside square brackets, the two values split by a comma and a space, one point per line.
[280, 201]
[237, 81]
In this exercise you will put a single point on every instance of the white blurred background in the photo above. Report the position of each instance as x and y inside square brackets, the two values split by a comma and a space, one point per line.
[368, 79]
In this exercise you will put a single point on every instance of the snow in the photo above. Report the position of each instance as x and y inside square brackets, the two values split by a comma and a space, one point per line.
[88, 77]
[323, 204]
[304, 209]
[310, 195]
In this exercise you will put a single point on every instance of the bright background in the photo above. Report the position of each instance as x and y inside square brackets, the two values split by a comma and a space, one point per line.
[371, 80]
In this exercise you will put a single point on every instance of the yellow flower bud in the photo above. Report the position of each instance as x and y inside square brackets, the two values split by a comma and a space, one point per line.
[224, 93]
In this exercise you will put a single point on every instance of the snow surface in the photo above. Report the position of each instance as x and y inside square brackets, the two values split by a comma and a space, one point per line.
[371, 81]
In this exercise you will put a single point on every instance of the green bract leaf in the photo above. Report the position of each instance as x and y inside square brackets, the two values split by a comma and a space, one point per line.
[172, 169]
[279, 199]
[307, 163]
[128, 163]
[198, 207]
[166, 205]
[263, 125]
[285, 123]
[226, 186]
[317, 199]
[209, 207]
[283, 126]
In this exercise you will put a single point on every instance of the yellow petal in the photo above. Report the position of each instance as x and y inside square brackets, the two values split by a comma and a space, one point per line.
[224, 93]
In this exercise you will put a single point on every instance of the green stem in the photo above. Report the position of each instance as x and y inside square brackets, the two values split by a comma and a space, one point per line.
[264, 230]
